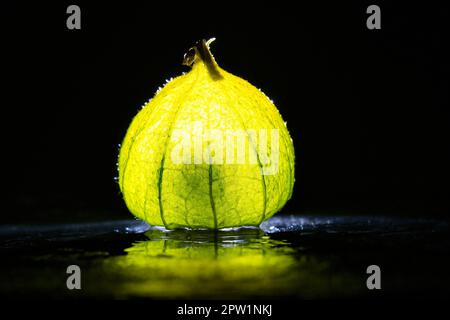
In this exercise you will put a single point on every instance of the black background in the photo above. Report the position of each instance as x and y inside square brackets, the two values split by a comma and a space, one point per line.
[368, 109]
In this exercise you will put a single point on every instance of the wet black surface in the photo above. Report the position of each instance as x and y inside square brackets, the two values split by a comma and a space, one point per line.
[289, 256]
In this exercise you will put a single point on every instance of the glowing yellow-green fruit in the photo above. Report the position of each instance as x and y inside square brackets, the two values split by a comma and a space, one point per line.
[208, 151]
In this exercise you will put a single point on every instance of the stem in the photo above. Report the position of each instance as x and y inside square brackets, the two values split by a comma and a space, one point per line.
[200, 52]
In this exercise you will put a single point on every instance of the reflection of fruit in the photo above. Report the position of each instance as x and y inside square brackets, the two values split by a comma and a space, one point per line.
[205, 194]
[202, 265]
